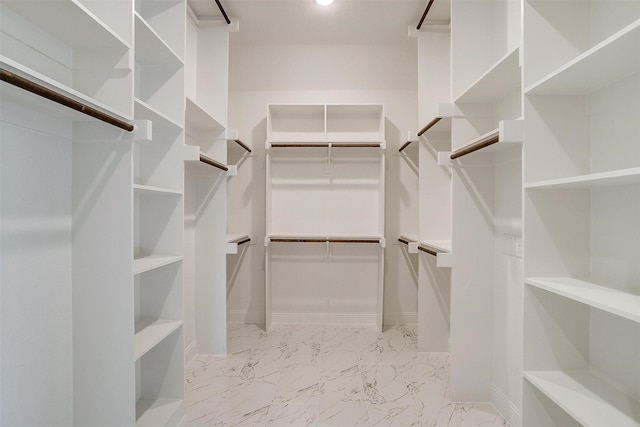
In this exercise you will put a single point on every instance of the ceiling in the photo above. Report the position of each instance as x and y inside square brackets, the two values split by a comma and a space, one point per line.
[346, 22]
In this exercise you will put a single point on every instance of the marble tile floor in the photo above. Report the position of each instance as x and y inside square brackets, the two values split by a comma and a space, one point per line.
[325, 375]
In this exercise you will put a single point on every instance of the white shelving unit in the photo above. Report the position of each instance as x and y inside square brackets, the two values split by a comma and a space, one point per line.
[582, 293]
[325, 213]
[206, 175]
[158, 344]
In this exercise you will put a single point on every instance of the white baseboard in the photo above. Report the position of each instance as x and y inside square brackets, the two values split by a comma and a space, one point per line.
[325, 318]
[244, 316]
[401, 319]
[506, 407]
[190, 352]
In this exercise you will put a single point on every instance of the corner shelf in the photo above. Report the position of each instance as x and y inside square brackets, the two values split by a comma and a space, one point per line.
[605, 63]
[151, 332]
[620, 303]
[199, 120]
[158, 412]
[587, 398]
[594, 180]
[151, 262]
[499, 81]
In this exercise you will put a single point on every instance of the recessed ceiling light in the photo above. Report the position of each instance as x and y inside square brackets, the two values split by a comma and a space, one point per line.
[324, 2]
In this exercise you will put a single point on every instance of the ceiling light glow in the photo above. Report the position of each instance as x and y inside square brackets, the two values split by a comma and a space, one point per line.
[324, 2]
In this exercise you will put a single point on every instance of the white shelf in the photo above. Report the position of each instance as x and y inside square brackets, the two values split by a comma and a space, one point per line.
[613, 301]
[143, 111]
[502, 79]
[595, 180]
[70, 22]
[235, 238]
[607, 62]
[155, 191]
[149, 333]
[150, 48]
[437, 245]
[158, 412]
[198, 119]
[140, 265]
[587, 398]
[509, 134]
[52, 84]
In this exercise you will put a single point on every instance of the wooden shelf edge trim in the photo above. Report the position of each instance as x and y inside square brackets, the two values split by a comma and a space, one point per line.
[429, 125]
[35, 88]
[243, 145]
[475, 147]
[211, 162]
[320, 240]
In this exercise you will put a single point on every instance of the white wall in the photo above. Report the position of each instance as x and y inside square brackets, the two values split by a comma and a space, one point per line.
[259, 75]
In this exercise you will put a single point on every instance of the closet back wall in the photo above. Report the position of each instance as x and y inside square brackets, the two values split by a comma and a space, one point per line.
[263, 74]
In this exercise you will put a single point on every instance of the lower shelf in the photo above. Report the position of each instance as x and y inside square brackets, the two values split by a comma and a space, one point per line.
[159, 412]
[140, 265]
[587, 398]
[150, 333]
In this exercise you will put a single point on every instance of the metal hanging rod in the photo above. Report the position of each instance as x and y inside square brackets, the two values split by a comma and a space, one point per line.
[424, 15]
[427, 250]
[321, 145]
[35, 88]
[226, 18]
[320, 240]
[429, 125]
[211, 162]
[490, 140]
[243, 241]
[405, 145]
[243, 145]
[404, 240]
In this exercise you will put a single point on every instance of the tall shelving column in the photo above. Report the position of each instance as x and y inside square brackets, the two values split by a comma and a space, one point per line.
[582, 198]
[325, 213]
[486, 136]
[435, 111]
[159, 213]
[66, 204]
[206, 174]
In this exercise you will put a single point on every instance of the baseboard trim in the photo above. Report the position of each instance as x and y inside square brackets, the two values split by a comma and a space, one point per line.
[190, 352]
[325, 318]
[401, 319]
[244, 316]
[506, 407]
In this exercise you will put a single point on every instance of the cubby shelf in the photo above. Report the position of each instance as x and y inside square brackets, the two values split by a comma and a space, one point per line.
[620, 303]
[605, 63]
[587, 398]
[594, 180]
[151, 49]
[147, 263]
[157, 412]
[502, 79]
[151, 332]
[53, 17]
[144, 111]
[154, 191]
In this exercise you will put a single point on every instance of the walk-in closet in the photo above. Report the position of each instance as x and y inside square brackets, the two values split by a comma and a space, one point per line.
[314, 213]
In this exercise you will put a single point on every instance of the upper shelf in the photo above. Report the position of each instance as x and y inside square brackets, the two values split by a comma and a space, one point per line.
[348, 123]
[609, 61]
[68, 21]
[594, 180]
[508, 133]
[502, 79]
[151, 49]
[623, 304]
[144, 111]
[198, 120]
